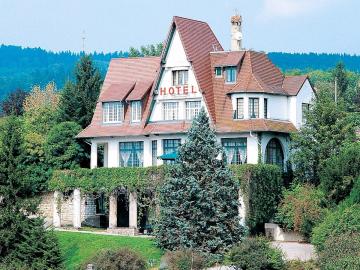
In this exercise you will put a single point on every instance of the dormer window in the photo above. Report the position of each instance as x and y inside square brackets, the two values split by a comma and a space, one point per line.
[113, 112]
[218, 72]
[180, 77]
[230, 74]
[136, 111]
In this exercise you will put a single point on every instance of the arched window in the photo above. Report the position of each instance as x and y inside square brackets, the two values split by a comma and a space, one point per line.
[274, 153]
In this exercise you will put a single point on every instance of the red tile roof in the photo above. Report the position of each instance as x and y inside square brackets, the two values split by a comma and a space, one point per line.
[256, 73]
[116, 91]
[293, 84]
[141, 88]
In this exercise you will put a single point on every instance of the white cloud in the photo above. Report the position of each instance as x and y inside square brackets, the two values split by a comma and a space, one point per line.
[291, 8]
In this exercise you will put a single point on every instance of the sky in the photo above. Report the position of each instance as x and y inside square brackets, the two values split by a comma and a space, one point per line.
[331, 26]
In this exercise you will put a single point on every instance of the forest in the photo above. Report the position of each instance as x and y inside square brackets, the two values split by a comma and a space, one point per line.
[25, 67]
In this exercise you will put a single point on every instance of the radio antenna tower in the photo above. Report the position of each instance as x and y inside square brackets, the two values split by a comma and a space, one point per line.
[83, 41]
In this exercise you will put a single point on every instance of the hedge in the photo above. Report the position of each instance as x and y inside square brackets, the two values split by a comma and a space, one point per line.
[106, 180]
[261, 186]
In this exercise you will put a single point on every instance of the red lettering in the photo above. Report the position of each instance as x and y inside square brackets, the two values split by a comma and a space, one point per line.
[163, 91]
[185, 89]
[178, 89]
[193, 90]
[171, 90]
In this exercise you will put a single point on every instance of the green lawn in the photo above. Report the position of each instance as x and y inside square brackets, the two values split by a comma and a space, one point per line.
[78, 247]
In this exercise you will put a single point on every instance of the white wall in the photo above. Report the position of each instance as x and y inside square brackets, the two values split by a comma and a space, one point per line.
[176, 60]
[305, 95]
[277, 105]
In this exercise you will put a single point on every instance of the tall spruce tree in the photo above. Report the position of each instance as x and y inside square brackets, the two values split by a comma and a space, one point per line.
[78, 100]
[341, 79]
[23, 239]
[199, 201]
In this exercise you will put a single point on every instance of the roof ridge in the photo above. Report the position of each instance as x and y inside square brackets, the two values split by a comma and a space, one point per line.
[189, 19]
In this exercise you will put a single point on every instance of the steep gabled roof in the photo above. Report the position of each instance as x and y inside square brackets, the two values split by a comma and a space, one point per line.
[293, 84]
[198, 41]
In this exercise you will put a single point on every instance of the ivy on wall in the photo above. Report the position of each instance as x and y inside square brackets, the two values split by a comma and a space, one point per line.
[261, 186]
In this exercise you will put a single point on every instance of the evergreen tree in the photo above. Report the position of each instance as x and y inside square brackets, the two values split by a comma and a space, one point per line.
[23, 239]
[199, 201]
[341, 79]
[78, 101]
[327, 129]
[13, 103]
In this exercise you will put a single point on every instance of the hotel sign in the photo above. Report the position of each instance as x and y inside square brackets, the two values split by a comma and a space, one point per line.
[177, 90]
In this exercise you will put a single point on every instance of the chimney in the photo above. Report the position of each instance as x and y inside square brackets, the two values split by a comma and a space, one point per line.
[236, 34]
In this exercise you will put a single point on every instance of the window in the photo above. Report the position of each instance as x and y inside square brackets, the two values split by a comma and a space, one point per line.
[171, 110]
[235, 150]
[180, 77]
[170, 146]
[253, 107]
[218, 72]
[131, 154]
[305, 107]
[274, 153]
[113, 112]
[230, 74]
[135, 111]
[154, 152]
[265, 108]
[239, 112]
[192, 109]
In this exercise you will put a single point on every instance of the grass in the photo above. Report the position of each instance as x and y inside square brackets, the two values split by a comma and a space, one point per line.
[79, 247]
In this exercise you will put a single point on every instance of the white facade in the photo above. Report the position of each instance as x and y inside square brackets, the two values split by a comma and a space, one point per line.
[279, 107]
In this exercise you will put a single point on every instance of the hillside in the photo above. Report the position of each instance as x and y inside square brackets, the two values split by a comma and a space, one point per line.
[25, 67]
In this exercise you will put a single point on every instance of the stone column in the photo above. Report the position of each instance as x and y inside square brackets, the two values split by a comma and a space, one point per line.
[242, 209]
[94, 155]
[113, 212]
[133, 210]
[106, 155]
[76, 209]
[57, 209]
[113, 154]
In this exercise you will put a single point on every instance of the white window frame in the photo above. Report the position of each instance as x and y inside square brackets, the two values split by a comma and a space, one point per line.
[113, 112]
[135, 111]
[180, 77]
[192, 109]
[170, 111]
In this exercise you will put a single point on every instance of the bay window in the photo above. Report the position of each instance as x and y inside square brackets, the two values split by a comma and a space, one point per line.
[113, 112]
[170, 146]
[253, 107]
[265, 108]
[171, 110]
[192, 109]
[239, 112]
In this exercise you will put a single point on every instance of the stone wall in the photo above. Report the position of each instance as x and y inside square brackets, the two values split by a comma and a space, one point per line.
[88, 209]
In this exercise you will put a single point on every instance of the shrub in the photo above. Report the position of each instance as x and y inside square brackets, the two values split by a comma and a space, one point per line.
[261, 187]
[345, 219]
[341, 252]
[122, 259]
[300, 265]
[184, 260]
[301, 208]
[256, 254]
